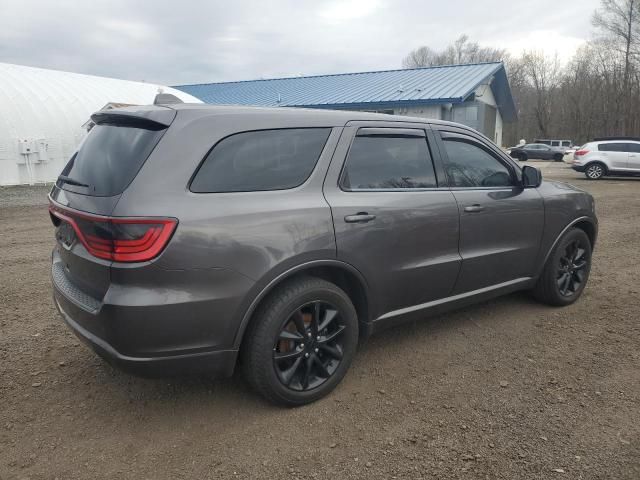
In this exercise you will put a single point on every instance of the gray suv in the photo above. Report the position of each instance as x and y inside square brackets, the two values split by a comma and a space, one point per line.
[196, 238]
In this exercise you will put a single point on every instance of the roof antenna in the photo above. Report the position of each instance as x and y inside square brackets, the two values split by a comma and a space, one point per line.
[165, 98]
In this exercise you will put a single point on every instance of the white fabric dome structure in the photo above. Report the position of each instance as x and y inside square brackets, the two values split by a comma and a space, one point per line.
[43, 115]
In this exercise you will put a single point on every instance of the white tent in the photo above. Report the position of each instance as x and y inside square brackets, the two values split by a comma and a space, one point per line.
[42, 113]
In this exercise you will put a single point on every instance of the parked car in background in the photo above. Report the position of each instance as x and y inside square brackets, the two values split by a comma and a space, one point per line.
[608, 156]
[191, 236]
[535, 150]
[558, 145]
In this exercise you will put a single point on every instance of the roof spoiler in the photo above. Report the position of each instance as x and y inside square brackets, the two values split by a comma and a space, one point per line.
[166, 99]
[156, 119]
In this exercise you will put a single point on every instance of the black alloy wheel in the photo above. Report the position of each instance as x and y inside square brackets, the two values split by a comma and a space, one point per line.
[301, 341]
[572, 268]
[309, 349]
[566, 271]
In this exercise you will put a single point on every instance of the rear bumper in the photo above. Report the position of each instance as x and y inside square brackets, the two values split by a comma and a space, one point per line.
[178, 322]
[578, 168]
[217, 363]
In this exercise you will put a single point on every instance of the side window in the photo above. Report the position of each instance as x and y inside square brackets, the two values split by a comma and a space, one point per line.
[469, 165]
[634, 147]
[261, 160]
[388, 162]
[612, 147]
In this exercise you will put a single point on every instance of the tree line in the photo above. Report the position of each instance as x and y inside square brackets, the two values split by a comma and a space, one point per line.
[595, 93]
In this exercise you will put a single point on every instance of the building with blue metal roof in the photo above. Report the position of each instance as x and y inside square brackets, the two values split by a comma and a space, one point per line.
[477, 95]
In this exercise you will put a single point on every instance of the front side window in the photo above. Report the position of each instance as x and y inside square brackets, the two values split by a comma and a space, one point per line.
[634, 147]
[388, 162]
[469, 165]
[261, 160]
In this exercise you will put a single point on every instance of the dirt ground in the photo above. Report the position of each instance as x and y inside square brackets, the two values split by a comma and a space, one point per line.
[507, 389]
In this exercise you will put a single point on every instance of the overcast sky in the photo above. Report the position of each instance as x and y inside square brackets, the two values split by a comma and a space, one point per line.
[206, 41]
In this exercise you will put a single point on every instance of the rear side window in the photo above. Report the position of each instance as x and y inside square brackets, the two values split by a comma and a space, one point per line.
[613, 147]
[388, 162]
[108, 159]
[261, 160]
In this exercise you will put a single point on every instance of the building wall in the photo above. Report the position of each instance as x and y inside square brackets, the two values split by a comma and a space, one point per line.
[477, 113]
[42, 113]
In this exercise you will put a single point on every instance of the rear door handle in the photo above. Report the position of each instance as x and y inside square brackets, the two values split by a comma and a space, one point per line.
[474, 208]
[360, 217]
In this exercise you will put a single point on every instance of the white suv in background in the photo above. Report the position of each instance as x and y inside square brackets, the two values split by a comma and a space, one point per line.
[608, 156]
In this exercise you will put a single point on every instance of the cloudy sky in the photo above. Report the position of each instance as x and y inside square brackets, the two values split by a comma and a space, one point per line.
[204, 41]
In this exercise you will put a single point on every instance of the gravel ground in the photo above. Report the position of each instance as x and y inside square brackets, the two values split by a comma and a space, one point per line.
[506, 389]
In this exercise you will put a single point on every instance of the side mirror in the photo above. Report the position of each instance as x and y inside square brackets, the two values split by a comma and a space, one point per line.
[531, 177]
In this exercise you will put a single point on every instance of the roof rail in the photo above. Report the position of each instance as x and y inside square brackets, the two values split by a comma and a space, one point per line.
[602, 139]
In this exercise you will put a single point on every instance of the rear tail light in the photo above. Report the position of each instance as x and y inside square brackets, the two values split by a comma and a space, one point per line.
[579, 153]
[120, 239]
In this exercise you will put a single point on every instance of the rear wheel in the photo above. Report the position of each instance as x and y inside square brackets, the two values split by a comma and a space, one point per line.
[523, 157]
[595, 171]
[567, 270]
[301, 342]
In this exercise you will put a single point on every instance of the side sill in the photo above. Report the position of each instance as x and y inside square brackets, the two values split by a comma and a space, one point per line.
[442, 305]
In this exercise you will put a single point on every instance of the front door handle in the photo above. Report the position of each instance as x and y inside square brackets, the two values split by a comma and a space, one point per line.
[360, 217]
[474, 208]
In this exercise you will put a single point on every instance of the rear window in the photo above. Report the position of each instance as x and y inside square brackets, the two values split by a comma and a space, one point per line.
[261, 160]
[109, 159]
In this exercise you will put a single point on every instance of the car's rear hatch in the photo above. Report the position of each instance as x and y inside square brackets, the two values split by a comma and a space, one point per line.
[87, 191]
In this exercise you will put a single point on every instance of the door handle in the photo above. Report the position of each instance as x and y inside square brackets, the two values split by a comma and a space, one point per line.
[360, 217]
[476, 207]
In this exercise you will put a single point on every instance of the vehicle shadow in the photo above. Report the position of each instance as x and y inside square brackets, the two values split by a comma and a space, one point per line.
[187, 395]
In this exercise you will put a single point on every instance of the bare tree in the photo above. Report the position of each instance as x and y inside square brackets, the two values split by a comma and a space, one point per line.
[619, 21]
[459, 52]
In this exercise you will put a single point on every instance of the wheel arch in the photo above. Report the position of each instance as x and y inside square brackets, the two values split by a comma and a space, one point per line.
[583, 223]
[342, 274]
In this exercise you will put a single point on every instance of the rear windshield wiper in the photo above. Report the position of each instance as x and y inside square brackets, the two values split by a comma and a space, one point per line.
[72, 181]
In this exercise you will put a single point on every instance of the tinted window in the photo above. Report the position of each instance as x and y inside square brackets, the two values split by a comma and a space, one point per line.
[613, 147]
[469, 165]
[109, 158]
[566, 144]
[261, 160]
[634, 147]
[388, 162]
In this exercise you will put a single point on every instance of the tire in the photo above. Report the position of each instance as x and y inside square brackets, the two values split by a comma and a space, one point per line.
[282, 361]
[557, 157]
[561, 283]
[523, 157]
[595, 171]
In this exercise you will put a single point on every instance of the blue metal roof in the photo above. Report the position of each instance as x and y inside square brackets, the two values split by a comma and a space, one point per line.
[416, 86]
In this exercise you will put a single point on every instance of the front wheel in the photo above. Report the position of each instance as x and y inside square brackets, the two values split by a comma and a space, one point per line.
[567, 270]
[557, 157]
[523, 157]
[301, 342]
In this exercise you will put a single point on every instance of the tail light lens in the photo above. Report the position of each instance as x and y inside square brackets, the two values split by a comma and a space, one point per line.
[120, 239]
[579, 153]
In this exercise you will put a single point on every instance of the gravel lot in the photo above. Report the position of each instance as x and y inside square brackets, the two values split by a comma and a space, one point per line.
[506, 389]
